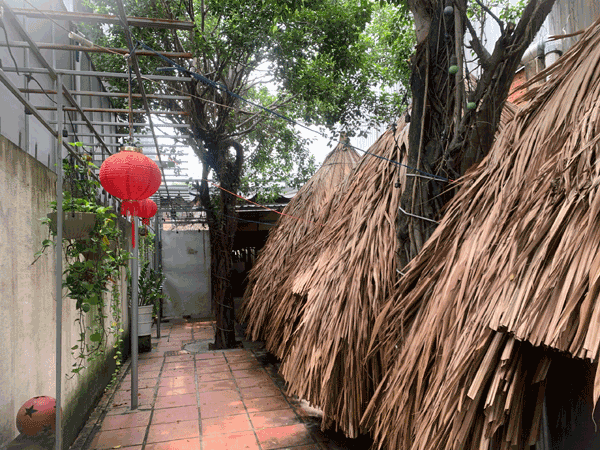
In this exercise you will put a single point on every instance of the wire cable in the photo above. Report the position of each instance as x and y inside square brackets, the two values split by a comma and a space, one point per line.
[262, 206]
[31, 77]
[8, 44]
[251, 221]
[417, 217]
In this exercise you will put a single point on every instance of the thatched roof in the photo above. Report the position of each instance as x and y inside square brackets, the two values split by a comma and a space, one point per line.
[301, 216]
[512, 270]
[341, 275]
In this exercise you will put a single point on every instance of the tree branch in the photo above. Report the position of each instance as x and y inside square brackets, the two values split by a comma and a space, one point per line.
[250, 129]
[487, 10]
[478, 127]
[478, 48]
[204, 194]
[272, 106]
[170, 16]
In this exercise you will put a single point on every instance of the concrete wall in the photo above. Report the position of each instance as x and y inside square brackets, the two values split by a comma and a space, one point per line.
[27, 303]
[186, 266]
[570, 16]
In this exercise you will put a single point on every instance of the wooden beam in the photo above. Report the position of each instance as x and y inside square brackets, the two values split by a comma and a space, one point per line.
[108, 94]
[95, 49]
[104, 18]
[113, 110]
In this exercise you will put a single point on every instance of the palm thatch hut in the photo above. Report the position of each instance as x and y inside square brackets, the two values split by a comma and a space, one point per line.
[271, 267]
[479, 326]
[342, 273]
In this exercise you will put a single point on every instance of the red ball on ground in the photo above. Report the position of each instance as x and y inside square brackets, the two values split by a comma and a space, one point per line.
[37, 414]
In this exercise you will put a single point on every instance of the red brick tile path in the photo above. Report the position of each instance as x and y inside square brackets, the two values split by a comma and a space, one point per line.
[216, 400]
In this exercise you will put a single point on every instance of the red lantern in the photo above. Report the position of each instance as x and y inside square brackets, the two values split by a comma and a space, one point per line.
[36, 415]
[130, 176]
[146, 210]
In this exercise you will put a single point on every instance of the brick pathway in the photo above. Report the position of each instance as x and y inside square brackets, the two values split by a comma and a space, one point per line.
[213, 400]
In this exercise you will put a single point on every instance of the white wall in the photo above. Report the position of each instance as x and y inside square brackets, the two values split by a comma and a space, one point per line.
[186, 266]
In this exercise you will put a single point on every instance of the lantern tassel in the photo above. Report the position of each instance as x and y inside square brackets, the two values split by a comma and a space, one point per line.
[129, 207]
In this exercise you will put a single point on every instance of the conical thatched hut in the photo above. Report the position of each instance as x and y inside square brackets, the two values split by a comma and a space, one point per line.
[342, 274]
[300, 216]
[508, 284]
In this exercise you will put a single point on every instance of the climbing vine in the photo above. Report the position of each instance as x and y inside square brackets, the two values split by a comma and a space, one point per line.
[93, 264]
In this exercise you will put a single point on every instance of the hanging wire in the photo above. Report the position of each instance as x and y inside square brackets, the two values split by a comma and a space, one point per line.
[262, 206]
[130, 100]
[3, 26]
[418, 175]
[129, 94]
[417, 217]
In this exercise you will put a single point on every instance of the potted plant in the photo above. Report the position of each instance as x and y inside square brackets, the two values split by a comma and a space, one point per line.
[76, 224]
[79, 205]
[149, 296]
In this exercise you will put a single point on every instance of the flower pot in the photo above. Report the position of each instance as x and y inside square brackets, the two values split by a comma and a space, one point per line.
[145, 320]
[76, 225]
[96, 254]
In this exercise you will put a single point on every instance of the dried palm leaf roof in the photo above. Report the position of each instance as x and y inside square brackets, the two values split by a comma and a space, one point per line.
[512, 270]
[342, 274]
[302, 214]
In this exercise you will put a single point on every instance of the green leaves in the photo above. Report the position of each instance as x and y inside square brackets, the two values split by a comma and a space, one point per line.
[90, 263]
[321, 61]
[506, 11]
[278, 156]
[149, 285]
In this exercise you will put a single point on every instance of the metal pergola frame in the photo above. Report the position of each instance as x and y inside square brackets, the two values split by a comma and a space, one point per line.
[67, 100]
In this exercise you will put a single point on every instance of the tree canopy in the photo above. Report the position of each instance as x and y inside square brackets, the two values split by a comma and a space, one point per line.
[265, 66]
[324, 63]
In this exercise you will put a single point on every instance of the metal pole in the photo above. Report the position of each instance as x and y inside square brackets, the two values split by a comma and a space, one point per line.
[157, 267]
[58, 254]
[134, 317]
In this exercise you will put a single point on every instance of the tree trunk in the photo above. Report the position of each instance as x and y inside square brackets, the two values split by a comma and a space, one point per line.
[221, 217]
[222, 235]
[430, 128]
[442, 140]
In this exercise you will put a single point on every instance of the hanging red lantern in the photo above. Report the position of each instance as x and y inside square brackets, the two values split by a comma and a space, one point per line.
[146, 210]
[130, 176]
[38, 414]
